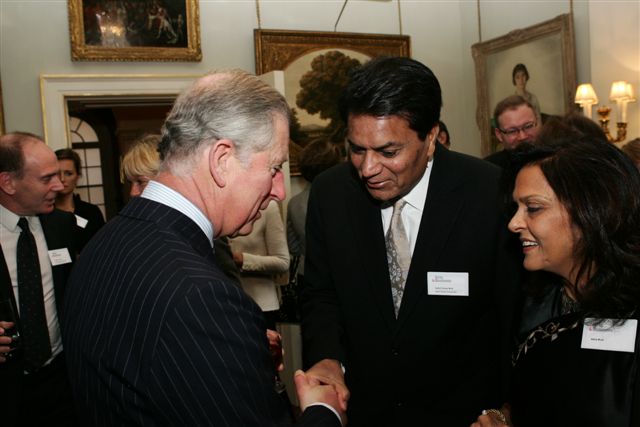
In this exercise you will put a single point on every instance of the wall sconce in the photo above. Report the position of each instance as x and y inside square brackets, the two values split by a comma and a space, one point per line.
[621, 93]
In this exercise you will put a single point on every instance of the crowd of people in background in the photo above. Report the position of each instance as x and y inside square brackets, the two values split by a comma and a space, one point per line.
[433, 287]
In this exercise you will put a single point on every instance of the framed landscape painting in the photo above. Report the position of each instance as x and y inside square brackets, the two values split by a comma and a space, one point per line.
[546, 53]
[316, 66]
[140, 30]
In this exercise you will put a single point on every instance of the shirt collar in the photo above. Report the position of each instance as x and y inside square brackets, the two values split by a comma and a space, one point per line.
[8, 219]
[162, 194]
[418, 194]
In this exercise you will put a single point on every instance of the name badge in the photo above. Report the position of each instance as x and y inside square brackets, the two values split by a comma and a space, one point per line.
[605, 336]
[59, 256]
[448, 284]
[81, 222]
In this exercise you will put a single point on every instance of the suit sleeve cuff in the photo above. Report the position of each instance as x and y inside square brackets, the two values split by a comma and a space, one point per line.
[328, 407]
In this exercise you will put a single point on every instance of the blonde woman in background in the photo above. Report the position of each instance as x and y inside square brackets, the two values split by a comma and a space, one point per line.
[140, 164]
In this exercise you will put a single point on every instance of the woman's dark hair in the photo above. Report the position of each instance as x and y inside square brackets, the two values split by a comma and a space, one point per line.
[394, 86]
[69, 154]
[600, 189]
[516, 69]
[318, 156]
[570, 126]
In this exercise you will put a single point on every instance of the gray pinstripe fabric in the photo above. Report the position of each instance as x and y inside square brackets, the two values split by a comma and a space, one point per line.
[155, 334]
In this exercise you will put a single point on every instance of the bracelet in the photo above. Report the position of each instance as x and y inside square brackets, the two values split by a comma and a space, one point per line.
[498, 413]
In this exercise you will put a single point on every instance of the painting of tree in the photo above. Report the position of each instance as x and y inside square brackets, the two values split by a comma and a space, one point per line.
[320, 89]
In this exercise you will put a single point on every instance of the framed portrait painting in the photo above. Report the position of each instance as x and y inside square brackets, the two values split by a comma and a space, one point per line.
[140, 30]
[542, 57]
[316, 66]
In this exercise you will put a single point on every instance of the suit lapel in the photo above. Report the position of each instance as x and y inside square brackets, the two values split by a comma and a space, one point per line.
[366, 222]
[442, 207]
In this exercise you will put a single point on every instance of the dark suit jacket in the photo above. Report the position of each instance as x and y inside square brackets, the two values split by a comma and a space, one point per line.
[58, 229]
[92, 214]
[156, 334]
[444, 359]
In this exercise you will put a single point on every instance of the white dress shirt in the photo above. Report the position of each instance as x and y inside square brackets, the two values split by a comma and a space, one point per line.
[411, 214]
[9, 234]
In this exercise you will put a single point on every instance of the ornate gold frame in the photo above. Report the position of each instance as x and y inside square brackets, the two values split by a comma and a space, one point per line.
[2, 128]
[562, 25]
[275, 49]
[82, 52]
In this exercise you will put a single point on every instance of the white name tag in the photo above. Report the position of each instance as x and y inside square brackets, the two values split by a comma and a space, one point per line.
[81, 222]
[605, 336]
[448, 284]
[59, 256]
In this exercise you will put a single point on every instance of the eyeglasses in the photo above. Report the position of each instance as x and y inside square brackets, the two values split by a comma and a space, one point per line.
[511, 132]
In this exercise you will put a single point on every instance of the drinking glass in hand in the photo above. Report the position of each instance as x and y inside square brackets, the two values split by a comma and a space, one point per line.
[8, 314]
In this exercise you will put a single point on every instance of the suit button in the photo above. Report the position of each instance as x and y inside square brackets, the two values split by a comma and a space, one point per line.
[395, 352]
[399, 404]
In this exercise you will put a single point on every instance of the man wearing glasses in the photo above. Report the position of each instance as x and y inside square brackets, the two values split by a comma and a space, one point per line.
[516, 122]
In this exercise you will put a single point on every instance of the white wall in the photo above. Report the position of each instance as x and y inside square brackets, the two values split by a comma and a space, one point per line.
[34, 40]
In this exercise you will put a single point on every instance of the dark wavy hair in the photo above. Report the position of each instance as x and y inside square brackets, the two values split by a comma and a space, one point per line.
[600, 188]
[394, 86]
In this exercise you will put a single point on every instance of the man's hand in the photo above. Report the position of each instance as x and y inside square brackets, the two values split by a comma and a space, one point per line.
[275, 346]
[329, 372]
[310, 391]
[5, 341]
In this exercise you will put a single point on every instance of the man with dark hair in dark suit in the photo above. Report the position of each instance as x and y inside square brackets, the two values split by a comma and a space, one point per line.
[36, 255]
[407, 306]
[156, 333]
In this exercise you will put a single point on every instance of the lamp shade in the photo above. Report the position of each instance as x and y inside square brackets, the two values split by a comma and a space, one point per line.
[630, 94]
[620, 91]
[585, 95]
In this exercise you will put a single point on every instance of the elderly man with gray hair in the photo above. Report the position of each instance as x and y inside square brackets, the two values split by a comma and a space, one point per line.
[155, 332]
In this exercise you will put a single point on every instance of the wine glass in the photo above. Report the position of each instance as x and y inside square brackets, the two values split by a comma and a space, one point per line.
[8, 314]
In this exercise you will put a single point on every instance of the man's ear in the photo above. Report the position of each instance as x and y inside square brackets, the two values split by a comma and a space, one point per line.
[432, 137]
[498, 134]
[220, 155]
[7, 183]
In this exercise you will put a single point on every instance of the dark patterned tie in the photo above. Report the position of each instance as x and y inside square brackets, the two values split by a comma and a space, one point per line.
[33, 320]
[398, 254]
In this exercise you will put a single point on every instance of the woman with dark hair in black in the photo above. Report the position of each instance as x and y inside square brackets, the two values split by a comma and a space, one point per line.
[89, 218]
[578, 218]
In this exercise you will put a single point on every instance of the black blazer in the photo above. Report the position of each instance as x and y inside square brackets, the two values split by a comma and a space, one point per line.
[94, 217]
[445, 358]
[58, 229]
[157, 335]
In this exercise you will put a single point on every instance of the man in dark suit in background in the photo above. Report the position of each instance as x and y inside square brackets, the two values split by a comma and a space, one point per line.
[406, 280]
[36, 255]
[156, 333]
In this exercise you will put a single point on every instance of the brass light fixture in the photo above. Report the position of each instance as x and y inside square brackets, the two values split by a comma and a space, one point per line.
[621, 93]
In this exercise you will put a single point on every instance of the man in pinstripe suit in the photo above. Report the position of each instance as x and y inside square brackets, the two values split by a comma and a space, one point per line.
[155, 332]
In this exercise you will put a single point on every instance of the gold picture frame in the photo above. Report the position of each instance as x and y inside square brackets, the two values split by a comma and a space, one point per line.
[2, 127]
[547, 50]
[295, 52]
[145, 30]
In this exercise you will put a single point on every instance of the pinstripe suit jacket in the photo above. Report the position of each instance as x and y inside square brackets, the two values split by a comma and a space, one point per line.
[155, 334]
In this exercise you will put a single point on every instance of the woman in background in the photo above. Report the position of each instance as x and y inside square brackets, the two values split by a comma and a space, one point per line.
[261, 256]
[578, 218]
[140, 164]
[89, 218]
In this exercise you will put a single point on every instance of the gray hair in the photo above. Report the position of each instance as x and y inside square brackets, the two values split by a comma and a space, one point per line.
[232, 105]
